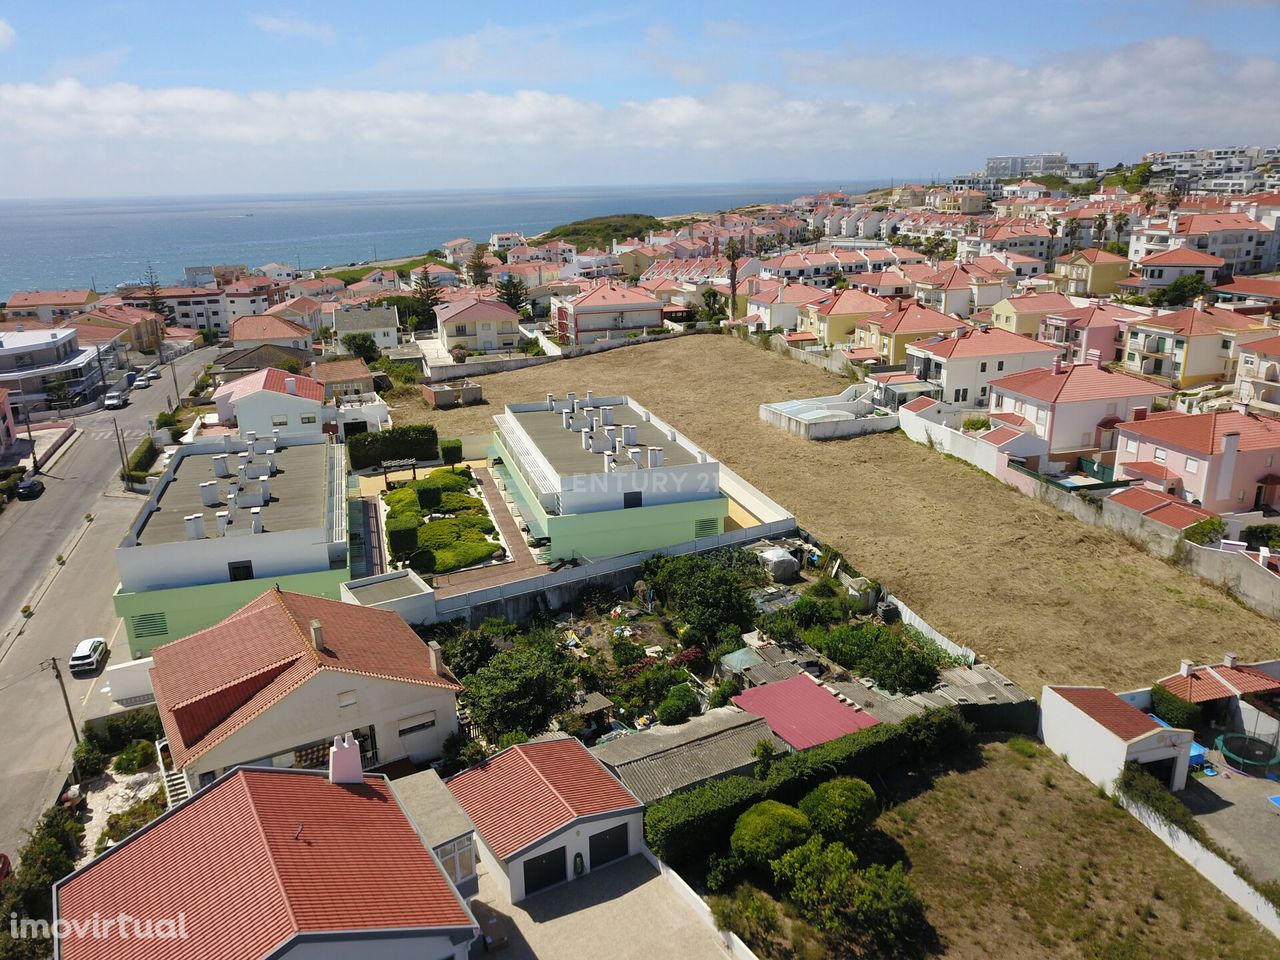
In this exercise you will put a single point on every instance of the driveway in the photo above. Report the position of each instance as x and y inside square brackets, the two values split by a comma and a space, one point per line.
[625, 911]
[1234, 811]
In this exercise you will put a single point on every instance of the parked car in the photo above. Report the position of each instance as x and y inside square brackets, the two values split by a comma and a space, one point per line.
[30, 489]
[141, 383]
[88, 655]
[154, 375]
[114, 400]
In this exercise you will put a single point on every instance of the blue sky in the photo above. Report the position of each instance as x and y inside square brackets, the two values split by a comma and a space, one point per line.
[126, 98]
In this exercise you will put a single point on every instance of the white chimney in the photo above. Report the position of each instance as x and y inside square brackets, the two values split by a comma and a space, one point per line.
[437, 658]
[591, 400]
[637, 455]
[291, 386]
[566, 419]
[266, 490]
[1230, 660]
[255, 516]
[223, 517]
[271, 463]
[612, 433]
[551, 402]
[317, 635]
[249, 437]
[573, 401]
[586, 439]
[629, 434]
[275, 435]
[1057, 365]
[607, 414]
[220, 468]
[243, 473]
[654, 458]
[344, 761]
[1185, 668]
[233, 495]
[193, 525]
[209, 493]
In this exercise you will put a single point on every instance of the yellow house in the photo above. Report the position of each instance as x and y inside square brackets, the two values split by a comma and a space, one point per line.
[832, 318]
[638, 260]
[478, 325]
[1197, 345]
[963, 201]
[1022, 315]
[143, 329]
[906, 321]
[1089, 273]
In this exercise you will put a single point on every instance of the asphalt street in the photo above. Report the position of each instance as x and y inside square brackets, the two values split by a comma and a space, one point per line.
[71, 602]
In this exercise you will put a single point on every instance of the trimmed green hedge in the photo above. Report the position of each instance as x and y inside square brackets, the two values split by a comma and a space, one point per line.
[141, 461]
[451, 502]
[688, 825]
[402, 534]
[456, 481]
[402, 503]
[451, 451]
[461, 553]
[1173, 710]
[428, 493]
[414, 442]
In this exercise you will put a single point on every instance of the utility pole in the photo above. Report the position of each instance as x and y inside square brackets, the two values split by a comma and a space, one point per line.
[124, 461]
[173, 370]
[35, 461]
[52, 663]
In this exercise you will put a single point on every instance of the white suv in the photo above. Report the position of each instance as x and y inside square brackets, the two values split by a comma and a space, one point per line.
[88, 655]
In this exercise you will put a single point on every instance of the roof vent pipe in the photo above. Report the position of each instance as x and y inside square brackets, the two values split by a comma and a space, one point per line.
[255, 514]
[209, 493]
[223, 518]
[566, 418]
[586, 439]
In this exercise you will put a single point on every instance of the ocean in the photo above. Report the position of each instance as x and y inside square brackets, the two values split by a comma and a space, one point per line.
[56, 244]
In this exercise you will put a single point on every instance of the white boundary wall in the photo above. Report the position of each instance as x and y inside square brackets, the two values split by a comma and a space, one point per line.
[732, 942]
[913, 619]
[1209, 865]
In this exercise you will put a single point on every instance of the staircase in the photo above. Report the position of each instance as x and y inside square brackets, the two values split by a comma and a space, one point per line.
[175, 784]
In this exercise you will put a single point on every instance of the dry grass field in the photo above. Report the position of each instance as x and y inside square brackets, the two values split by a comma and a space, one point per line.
[1042, 596]
[1020, 857]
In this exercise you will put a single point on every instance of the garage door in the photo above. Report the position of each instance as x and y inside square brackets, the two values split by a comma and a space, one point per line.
[544, 870]
[608, 845]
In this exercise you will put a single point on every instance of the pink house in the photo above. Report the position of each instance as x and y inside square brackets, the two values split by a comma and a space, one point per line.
[1073, 407]
[1080, 331]
[1225, 462]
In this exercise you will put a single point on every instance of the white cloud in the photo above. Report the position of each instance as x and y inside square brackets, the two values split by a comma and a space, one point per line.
[296, 27]
[862, 118]
[7, 34]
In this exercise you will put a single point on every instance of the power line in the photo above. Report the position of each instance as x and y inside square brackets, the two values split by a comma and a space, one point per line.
[25, 676]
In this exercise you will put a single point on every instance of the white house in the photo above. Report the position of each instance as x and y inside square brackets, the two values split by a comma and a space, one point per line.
[380, 321]
[197, 308]
[279, 272]
[548, 812]
[271, 401]
[964, 364]
[505, 241]
[1098, 733]
[603, 312]
[1158, 270]
[277, 680]
[458, 251]
[258, 331]
[326, 866]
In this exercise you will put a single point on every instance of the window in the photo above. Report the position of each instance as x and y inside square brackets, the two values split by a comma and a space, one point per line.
[1160, 455]
[1130, 446]
[458, 858]
[207, 778]
[1193, 466]
[308, 418]
[423, 721]
[632, 498]
[999, 365]
[1226, 344]
[962, 394]
[279, 420]
[240, 570]
[1130, 356]
[982, 367]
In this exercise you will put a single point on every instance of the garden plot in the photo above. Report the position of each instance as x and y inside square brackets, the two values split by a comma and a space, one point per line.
[440, 523]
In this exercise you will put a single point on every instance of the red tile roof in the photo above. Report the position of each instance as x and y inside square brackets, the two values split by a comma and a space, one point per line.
[1041, 303]
[802, 712]
[1209, 321]
[1252, 287]
[799, 336]
[611, 295]
[1203, 432]
[1075, 383]
[273, 379]
[918, 404]
[1123, 719]
[340, 371]
[262, 857]
[51, 298]
[848, 301]
[1181, 257]
[1213, 683]
[909, 316]
[268, 327]
[1012, 419]
[1094, 255]
[1161, 507]
[532, 790]
[210, 684]
[991, 342]
[1270, 346]
[474, 308]
[1001, 435]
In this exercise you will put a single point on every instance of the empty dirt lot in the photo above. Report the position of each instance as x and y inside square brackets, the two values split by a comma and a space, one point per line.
[1044, 597]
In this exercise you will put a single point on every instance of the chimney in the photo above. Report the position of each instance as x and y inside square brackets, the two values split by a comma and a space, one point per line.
[1139, 414]
[607, 414]
[654, 458]
[551, 402]
[223, 518]
[1057, 365]
[637, 455]
[271, 463]
[1229, 659]
[232, 496]
[291, 386]
[344, 760]
[1230, 443]
[1185, 668]
[220, 468]
[317, 635]
[255, 515]
[573, 401]
[437, 658]
[566, 418]
[629, 434]
[275, 436]
[250, 437]
[586, 439]
[591, 398]
[1095, 358]
[209, 493]
[195, 526]
[243, 473]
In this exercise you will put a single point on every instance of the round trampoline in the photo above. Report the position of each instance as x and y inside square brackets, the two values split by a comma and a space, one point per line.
[1250, 754]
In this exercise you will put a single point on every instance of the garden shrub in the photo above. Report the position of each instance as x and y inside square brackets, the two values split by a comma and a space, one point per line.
[725, 691]
[1137, 785]
[680, 704]
[625, 653]
[50, 853]
[137, 756]
[976, 424]
[1173, 710]
[841, 809]
[451, 451]
[453, 481]
[691, 659]
[131, 819]
[748, 913]
[89, 758]
[402, 534]
[122, 729]
[1208, 530]
[1262, 535]
[767, 830]
[899, 659]
[402, 502]
[428, 492]
[141, 461]
[413, 442]
[451, 502]
[680, 828]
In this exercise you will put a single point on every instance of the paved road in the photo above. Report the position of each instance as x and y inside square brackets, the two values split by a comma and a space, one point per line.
[74, 604]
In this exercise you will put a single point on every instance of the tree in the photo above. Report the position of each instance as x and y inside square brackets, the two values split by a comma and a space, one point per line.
[1071, 233]
[767, 830]
[713, 306]
[1119, 223]
[679, 705]
[362, 345]
[477, 269]
[1174, 196]
[733, 250]
[468, 650]
[427, 292]
[155, 302]
[841, 809]
[1184, 290]
[58, 392]
[1100, 229]
[519, 689]
[513, 292]
[705, 594]
[451, 452]
[290, 365]
[325, 333]
[1148, 200]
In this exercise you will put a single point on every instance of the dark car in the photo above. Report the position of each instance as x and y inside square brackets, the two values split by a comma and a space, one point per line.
[30, 489]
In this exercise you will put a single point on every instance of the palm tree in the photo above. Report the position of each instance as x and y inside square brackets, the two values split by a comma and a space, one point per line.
[1175, 197]
[1054, 225]
[732, 250]
[1099, 229]
[1148, 200]
[1071, 233]
[1120, 223]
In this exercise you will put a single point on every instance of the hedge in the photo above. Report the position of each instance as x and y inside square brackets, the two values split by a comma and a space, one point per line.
[690, 824]
[402, 503]
[141, 460]
[1173, 710]
[402, 534]
[428, 493]
[457, 481]
[451, 451]
[461, 553]
[413, 442]
[451, 502]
